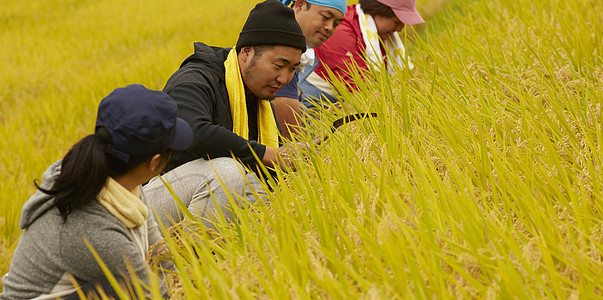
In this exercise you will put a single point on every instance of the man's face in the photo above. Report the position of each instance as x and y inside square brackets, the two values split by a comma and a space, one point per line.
[318, 22]
[266, 72]
[386, 26]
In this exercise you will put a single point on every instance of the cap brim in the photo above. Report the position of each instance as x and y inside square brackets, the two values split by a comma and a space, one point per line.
[184, 135]
[409, 17]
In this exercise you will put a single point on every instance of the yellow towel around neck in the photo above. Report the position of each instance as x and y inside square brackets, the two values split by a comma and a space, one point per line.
[267, 129]
[125, 205]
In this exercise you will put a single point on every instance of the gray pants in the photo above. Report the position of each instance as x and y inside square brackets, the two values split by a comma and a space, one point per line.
[196, 182]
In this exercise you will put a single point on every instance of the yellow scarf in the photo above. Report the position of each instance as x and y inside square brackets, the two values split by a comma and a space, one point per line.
[267, 129]
[125, 205]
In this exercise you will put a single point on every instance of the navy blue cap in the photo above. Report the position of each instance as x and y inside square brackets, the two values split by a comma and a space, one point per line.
[142, 122]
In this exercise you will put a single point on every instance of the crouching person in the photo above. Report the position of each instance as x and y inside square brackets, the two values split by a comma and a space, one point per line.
[224, 94]
[92, 197]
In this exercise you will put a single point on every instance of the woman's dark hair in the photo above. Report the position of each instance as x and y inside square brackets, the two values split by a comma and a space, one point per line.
[374, 8]
[84, 172]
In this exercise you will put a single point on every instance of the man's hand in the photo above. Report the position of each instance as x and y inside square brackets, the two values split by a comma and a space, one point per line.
[282, 157]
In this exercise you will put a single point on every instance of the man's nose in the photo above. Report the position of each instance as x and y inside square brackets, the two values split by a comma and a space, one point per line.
[330, 26]
[282, 76]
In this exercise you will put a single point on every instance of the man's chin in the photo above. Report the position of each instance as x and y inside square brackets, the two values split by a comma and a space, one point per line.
[316, 42]
[265, 93]
[267, 96]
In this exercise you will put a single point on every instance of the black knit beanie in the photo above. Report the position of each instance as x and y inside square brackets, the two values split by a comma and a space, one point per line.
[271, 23]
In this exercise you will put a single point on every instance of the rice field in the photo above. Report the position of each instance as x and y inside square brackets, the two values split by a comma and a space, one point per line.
[481, 177]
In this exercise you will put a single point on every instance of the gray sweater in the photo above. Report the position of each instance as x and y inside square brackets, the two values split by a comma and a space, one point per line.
[49, 250]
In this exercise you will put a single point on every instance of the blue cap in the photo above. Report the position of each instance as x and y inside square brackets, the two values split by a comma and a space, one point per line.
[339, 5]
[142, 123]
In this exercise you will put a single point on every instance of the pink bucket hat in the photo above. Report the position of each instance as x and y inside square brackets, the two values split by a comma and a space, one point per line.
[405, 10]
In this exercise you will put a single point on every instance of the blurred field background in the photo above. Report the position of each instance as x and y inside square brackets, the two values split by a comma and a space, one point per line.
[60, 58]
[482, 179]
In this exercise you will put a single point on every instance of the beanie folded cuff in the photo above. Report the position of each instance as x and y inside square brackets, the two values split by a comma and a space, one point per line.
[258, 37]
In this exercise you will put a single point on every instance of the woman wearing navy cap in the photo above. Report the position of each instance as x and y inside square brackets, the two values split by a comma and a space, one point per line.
[93, 195]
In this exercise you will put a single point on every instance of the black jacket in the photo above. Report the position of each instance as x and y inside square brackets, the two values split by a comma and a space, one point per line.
[199, 89]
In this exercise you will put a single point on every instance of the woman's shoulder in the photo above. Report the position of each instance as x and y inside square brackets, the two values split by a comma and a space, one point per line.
[350, 19]
[93, 216]
[92, 225]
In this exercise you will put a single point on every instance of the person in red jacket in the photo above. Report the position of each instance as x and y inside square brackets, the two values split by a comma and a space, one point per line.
[367, 37]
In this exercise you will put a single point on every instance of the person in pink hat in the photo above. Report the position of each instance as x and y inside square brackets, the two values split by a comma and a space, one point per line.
[367, 37]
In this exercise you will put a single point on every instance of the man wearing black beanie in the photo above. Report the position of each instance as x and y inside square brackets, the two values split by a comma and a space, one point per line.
[224, 95]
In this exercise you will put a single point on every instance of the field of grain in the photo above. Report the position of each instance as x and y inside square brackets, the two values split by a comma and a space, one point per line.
[481, 177]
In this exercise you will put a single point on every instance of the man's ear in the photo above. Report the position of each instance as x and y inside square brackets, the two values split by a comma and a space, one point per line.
[298, 5]
[246, 54]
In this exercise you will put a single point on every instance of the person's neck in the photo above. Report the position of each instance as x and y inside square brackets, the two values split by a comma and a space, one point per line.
[127, 182]
[133, 178]
[249, 96]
